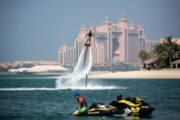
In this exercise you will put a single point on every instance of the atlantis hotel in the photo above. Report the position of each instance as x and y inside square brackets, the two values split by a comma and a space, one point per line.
[118, 42]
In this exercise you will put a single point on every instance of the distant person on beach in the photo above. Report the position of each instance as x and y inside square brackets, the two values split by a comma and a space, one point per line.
[82, 104]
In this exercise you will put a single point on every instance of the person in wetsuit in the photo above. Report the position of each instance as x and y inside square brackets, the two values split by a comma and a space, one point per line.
[87, 44]
[88, 35]
[82, 104]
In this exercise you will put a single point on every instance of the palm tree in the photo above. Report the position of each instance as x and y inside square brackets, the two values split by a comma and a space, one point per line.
[171, 48]
[160, 51]
[168, 50]
[143, 55]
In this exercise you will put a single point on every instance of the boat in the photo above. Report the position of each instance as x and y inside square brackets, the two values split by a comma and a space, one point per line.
[130, 106]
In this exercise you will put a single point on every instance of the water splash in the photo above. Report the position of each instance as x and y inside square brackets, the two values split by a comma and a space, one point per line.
[75, 80]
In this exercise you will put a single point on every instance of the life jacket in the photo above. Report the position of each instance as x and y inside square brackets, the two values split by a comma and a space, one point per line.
[82, 102]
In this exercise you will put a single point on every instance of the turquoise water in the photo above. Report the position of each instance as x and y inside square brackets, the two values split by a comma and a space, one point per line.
[27, 97]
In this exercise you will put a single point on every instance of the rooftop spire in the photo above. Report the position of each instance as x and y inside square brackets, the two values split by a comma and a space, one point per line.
[131, 25]
[122, 19]
[106, 20]
[83, 28]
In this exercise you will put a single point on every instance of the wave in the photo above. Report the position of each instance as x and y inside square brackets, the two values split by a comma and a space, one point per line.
[63, 88]
[20, 78]
[27, 89]
[97, 88]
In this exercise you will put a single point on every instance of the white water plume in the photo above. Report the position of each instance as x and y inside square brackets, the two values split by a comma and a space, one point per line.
[76, 80]
[82, 68]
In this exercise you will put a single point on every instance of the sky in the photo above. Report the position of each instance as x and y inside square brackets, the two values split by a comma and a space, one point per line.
[35, 29]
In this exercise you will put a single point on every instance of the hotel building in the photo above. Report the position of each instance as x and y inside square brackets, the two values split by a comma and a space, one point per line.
[111, 43]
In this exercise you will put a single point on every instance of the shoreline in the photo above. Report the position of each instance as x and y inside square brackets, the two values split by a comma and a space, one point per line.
[141, 74]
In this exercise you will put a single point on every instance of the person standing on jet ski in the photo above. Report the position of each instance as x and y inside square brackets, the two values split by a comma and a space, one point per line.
[82, 104]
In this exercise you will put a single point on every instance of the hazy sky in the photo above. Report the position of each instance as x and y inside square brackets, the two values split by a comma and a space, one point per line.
[34, 29]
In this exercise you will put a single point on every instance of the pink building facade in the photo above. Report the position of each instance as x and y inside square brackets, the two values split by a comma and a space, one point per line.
[112, 42]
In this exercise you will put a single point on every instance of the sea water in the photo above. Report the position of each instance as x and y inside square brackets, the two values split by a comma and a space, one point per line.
[35, 96]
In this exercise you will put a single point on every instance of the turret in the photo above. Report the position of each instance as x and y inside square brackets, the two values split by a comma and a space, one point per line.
[131, 26]
[106, 21]
[141, 30]
[82, 33]
[123, 23]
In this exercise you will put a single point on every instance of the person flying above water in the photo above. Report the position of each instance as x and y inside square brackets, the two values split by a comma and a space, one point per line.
[88, 35]
[87, 44]
[82, 104]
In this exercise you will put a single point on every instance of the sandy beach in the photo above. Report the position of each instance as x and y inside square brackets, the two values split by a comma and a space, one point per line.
[167, 73]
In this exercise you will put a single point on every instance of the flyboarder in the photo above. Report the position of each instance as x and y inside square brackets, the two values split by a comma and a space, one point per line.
[87, 45]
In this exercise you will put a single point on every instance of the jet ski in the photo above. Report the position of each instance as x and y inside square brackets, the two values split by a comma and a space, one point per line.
[131, 106]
